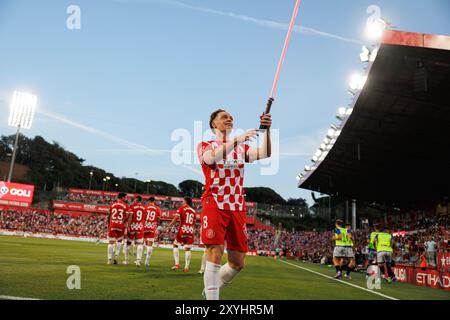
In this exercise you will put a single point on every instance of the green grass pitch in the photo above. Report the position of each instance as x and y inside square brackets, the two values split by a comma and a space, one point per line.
[36, 268]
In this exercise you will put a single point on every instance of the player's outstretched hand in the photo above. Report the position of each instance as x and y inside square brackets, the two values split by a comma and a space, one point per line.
[247, 136]
[266, 120]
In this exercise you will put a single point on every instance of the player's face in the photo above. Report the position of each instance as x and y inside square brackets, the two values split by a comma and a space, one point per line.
[223, 121]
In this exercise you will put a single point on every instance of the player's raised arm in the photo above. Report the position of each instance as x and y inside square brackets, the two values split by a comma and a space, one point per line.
[213, 156]
[221, 122]
[265, 151]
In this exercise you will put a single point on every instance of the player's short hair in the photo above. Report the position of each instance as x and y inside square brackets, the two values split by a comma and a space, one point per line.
[339, 222]
[122, 195]
[213, 116]
[138, 198]
[188, 200]
[151, 199]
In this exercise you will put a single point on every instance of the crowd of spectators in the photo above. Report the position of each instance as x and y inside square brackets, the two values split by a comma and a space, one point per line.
[431, 235]
[92, 225]
[166, 205]
[42, 221]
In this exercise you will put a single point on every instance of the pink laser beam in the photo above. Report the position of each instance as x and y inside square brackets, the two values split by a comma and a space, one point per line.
[283, 53]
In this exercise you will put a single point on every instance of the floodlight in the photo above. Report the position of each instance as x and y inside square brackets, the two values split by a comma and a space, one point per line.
[318, 153]
[357, 82]
[315, 158]
[23, 106]
[322, 157]
[307, 168]
[330, 133]
[375, 28]
[326, 141]
[365, 54]
[373, 54]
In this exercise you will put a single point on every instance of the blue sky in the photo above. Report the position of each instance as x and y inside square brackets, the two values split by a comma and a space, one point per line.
[114, 91]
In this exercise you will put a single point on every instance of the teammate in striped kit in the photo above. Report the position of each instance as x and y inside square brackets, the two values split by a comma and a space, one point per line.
[152, 216]
[185, 235]
[116, 227]
[135, 231]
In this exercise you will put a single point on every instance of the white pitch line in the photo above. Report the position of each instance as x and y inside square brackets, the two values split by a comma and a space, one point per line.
[344, 282]
[16, 298]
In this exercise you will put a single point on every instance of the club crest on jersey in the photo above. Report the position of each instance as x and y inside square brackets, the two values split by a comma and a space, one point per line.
[210, 233]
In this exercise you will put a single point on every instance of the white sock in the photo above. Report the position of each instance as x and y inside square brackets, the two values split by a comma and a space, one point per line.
[110, 251]
[127, 252]
[139, 252]
[176, 255]
[227, 274]
[149, 254]
[118, 245]
[202, 268]
[187, 259]
[211, 279]
[124, 248]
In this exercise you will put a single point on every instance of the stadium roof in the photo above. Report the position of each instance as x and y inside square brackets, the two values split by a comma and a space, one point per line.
[395, 144]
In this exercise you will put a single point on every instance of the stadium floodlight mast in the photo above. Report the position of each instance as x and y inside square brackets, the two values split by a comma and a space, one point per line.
[148, 182]
[22, 109]
[107, 178]
[91, 174]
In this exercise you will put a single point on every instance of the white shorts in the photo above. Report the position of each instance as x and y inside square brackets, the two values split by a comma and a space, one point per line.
[135, 241]
[185, 246]
[384, 256]
[349, 252]
[339, 252]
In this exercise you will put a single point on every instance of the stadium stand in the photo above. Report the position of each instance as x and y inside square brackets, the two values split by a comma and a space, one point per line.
[305, 245]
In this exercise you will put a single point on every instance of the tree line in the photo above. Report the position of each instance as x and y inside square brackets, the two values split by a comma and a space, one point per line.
[52, 167]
